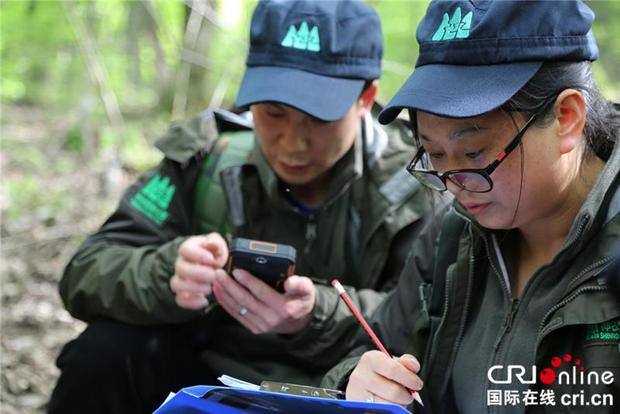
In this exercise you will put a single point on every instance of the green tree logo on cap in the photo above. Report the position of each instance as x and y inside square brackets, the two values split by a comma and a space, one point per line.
[302, 39]
[455, 27]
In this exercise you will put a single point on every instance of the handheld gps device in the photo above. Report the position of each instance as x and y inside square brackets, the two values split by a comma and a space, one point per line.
[270, 262]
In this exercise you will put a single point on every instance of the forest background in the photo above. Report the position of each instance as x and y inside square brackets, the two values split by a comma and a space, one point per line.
[85, 89]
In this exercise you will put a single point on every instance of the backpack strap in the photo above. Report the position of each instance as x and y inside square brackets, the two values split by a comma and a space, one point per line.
[211, 205]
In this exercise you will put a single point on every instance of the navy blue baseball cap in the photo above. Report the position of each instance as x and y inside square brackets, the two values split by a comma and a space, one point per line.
[312, 55]
[476, 55]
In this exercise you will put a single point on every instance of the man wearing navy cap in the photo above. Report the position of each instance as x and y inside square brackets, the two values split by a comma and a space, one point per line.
[312, 169]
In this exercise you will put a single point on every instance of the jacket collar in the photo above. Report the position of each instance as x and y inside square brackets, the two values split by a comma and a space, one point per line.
[601, 204]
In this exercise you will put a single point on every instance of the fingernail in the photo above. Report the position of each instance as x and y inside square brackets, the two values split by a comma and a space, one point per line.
[220, 276]
[237, 275]
[207, 259]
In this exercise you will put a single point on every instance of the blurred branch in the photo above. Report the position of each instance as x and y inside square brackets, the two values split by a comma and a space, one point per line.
[220, 90]
[211, 15]
[397, 68]
[112, 173]
[163, 29]
[197, 59]
[155, 27]
[96, 69]
[192, 34]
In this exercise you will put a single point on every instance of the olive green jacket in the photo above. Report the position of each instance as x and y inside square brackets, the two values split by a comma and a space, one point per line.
[361, 235]
[427, 313]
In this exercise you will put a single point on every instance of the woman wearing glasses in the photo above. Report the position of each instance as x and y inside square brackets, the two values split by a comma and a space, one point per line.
[502, 307]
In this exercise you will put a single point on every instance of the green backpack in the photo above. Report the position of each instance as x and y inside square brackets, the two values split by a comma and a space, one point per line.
[225, 140]
[211, 207]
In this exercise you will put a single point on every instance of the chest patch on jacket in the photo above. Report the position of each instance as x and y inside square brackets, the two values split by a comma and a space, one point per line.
[154, 198]
[604, 332]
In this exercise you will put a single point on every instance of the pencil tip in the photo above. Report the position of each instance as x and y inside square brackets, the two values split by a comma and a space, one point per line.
[416, 397]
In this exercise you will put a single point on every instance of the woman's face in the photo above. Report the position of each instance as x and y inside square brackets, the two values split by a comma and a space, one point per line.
[476, 142]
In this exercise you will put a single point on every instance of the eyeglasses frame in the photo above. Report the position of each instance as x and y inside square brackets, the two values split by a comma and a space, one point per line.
[484, 172]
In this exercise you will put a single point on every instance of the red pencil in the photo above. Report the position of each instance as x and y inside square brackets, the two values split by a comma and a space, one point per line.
[367, 328]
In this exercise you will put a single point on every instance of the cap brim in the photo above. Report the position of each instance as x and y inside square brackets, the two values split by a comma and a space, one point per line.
[323, 97]
[458, 91]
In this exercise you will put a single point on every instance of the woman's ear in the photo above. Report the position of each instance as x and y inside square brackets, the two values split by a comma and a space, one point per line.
[571, 118]
[367, 98]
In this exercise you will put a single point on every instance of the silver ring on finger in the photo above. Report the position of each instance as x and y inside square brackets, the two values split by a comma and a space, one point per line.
[243, 311]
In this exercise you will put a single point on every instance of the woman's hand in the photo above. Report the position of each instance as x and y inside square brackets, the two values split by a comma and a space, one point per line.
[380, 378]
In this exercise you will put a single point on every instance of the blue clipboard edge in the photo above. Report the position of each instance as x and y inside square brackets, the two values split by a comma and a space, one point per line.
[190, 400]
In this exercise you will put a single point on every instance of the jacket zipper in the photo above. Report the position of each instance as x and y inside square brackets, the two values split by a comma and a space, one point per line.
[507, 325]
[512, 312]
[488, 249]
[311, 232]
[498, 273]
[541, 332]
[582, 223]
[588, 271]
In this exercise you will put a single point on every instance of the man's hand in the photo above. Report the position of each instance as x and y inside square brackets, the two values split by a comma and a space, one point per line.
[262, 309]
[194, 270]
[380, 378]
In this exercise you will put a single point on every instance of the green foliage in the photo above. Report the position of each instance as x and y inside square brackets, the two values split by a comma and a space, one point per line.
[139, 46]
[83, 60]
[137, 153]
[29, 197]
[227, 53]
[22, 194]
[73, 140]
[24, 188]
[399, 20]
[31, 33]
[607, 32]
[28, 158]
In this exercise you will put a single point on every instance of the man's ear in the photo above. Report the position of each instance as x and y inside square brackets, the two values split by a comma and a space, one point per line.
[367, 98]
[571, 118]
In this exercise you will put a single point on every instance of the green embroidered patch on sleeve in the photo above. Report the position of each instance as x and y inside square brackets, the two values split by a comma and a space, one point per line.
[604, 332]
[154, 198]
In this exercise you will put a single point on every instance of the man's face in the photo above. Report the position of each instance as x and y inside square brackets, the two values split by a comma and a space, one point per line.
[302, 149]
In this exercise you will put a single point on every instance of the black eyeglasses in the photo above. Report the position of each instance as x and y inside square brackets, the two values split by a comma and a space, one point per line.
[473, 179]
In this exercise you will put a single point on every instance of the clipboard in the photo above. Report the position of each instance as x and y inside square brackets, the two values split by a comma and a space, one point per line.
[202, 399]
